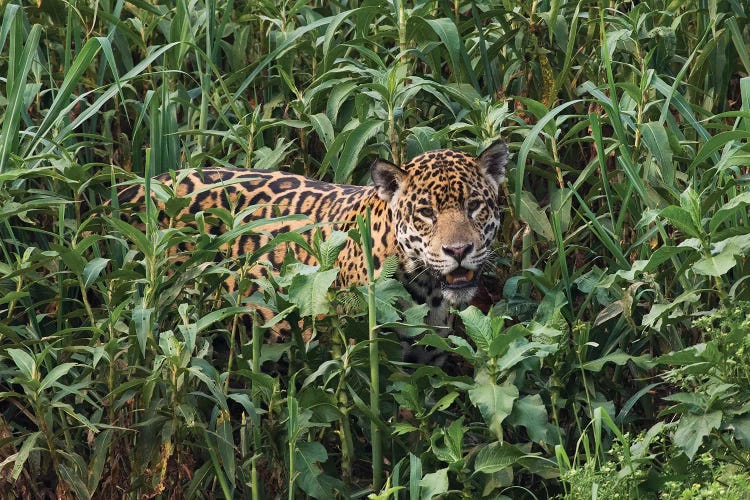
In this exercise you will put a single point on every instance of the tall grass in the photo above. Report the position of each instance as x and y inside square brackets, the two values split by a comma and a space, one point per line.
[126, 372]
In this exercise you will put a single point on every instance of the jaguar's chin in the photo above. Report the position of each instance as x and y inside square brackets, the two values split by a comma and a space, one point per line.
[459, 297]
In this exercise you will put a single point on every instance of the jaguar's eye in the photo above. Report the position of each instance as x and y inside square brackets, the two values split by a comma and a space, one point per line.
[426, 212]
[473, 206]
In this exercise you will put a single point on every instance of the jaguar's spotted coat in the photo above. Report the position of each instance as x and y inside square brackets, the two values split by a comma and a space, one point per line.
[439, 213]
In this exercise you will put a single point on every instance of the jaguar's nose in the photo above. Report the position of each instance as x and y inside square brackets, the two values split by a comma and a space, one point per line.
[458, 251]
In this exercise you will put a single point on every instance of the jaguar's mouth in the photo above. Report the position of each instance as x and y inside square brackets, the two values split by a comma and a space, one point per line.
[460, 278]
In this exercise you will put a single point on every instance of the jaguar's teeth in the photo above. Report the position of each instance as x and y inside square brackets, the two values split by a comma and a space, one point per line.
[459, 275]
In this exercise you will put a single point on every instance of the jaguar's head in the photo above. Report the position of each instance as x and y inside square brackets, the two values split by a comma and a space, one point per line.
[446, 211]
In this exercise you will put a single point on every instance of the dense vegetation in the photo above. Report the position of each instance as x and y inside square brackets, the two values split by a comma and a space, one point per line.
[613, 363]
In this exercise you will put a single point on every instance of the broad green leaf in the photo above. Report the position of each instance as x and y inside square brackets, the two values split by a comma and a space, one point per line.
[478, 327]
[658, 311]
[691, 429]
[311, 478]
[496, 457]
[682, 220]
[693, 354]
[717, 265]
[401, 428]
[407, 397]
[561, 203]
[435, 340]
[387, 294]
[207, 374]
[520, 350]
[530, 412]
[447, 443]
[310, 292]
[433, 484]
[74, 481]
[331, 33]
[494, 402]
[502, 342]
[534, 216]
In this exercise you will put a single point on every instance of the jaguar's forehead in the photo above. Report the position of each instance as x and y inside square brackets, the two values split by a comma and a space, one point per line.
[444, 176]
[440, 160]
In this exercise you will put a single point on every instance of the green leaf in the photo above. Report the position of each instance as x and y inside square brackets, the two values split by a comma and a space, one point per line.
[619, 358]
[530, 412]
[99, 455]
[478, 327]
[435, 340]
[691, 429]
[502, 342]
[142, 320]
[494, 402]
[434, 484]
[658, 311]
[532, 214]
[682, 220]
[496, 457]
[387, 293]
[717, 142]
[323, 127]
[733, 208]
[93, 269]
[656, 140]
[15, 95]
[55, 373]
[25, 362]
[447, 443]
[520, 350]
[23, 454]
[217, 316]
[310, 292]
[225, 446]
[523, 154]
[311, 478]
[352, 150]
[717, 265]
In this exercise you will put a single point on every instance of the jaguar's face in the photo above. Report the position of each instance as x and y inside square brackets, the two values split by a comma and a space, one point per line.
[446, 213]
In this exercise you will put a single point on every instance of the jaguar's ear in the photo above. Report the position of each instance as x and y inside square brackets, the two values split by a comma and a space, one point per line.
[387, 177]
[492, 161]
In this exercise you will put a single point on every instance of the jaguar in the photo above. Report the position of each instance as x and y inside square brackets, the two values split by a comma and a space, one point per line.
[438, 213]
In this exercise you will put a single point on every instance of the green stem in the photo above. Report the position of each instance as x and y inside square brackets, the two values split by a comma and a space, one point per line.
[375, 432]
[257, 334]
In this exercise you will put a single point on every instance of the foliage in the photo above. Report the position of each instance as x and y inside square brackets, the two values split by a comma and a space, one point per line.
[616, 340]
